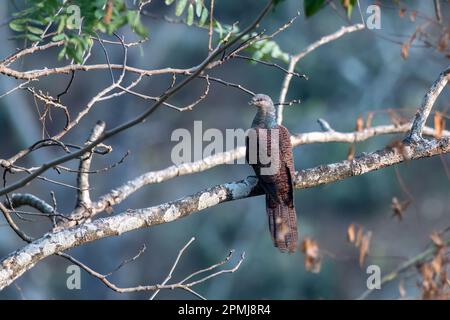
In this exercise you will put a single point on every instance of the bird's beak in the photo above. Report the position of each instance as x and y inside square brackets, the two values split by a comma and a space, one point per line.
[251, 103]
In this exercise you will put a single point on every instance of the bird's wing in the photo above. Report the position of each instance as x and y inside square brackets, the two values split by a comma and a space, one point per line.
[279, 183]
[287, 159]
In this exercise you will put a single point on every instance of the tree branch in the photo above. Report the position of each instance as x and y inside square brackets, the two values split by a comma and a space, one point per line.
[296, 58]
[121, 193]
[428, 102]
[83, 197]
[18, 262]
[139, 119]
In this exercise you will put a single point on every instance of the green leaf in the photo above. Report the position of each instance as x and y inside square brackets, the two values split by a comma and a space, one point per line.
[15, 25]
[33, 37]
[169, 2]
[203, 18]
[276, 2]
[219, 28]
[62, 24]
[181, 4]
[62, 53]
[198, 8]
[348, 6]
[59, 37]
[35, 30]
[312, 6]
[190, 15]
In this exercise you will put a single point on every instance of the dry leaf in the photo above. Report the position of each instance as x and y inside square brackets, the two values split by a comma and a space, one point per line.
[359, 236]
[405, 50]
[351, 234]
[399, 208]
[369, 120]
[364, 247]
[401, 12]
[435, 284]
[108, 12]
[395, 118]
[351, 152]
[443, 42]
[429, 288]
[345, 3]
[436, 264]
[359, 123]
[436, 238]
[310, 250]
[413, 16]
[439, 124]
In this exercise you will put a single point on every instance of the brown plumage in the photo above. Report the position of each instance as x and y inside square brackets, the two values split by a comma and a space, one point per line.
[278, 185]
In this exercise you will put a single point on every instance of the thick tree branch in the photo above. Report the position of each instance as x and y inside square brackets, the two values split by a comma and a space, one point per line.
[428, 102]
[26, 199]
[84, 199]
[18, 262]
[121, 193]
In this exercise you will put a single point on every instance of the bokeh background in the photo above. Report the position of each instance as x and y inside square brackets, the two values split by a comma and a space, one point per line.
[358, 73]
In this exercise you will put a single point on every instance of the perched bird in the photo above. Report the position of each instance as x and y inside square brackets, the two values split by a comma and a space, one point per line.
[269, 141]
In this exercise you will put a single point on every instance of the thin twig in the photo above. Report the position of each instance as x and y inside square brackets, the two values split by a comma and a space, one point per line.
[169, 276]
[211, 22]
[296, 58]
[421, 257]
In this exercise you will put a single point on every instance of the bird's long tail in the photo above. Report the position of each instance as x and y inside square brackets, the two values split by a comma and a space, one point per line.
[282, 224]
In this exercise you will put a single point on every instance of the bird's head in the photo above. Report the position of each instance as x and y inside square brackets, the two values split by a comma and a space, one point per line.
[261, 101]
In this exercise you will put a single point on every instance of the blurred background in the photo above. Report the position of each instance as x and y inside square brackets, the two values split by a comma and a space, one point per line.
[361, 72]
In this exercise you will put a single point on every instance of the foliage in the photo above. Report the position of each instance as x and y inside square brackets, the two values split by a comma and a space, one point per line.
[261, 50]
[75, 22]
[266, 50]
[194, 8]
[313, 6]
[107, 16]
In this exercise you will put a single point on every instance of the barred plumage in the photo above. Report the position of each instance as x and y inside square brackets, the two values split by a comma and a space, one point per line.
[278, 185]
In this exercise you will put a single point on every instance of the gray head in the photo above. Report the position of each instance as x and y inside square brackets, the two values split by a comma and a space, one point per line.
[262, 101]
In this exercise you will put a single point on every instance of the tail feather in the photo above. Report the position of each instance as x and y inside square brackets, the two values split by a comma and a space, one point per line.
[282, 224]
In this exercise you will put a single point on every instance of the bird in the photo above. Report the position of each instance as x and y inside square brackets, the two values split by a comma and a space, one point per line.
[265, 139]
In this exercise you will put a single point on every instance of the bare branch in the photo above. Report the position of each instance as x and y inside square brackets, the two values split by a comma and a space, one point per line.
[30, 50]
[230, 84]
[428, 101]
[211, 22]
[187, 286]
[296, 58]
[20, 86]
[189, 107]
[270, 64]
[437, 10]
[26, 199]
[13, 225]
[169, 276]
[127, 261]
[84, 200]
